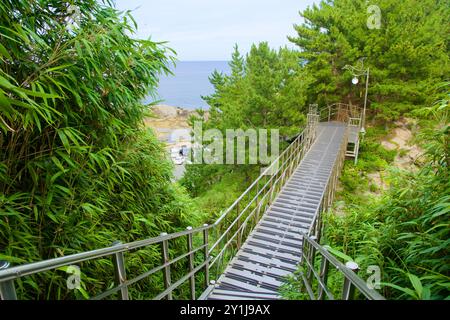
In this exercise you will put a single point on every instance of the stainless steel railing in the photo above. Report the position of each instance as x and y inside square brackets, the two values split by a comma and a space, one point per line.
[315, 279]
[236, 223]
[340, 112]
[9, 275]
[229, 231]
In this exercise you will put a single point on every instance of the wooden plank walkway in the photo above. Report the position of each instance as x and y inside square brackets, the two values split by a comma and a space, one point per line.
[273, 249]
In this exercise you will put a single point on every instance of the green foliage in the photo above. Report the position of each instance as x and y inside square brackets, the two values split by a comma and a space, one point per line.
[373, 157]
[266, 89]
[407, 55]
[226, 186]
[77, 169]
[406, 232]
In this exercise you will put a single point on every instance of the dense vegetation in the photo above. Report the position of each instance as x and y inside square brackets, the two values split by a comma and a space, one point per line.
[265, 90]
[404, 229]
[407, 54]
[77, 168]
[406, 232]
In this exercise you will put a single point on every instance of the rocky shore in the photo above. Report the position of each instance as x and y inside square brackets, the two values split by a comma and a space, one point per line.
[167, 119]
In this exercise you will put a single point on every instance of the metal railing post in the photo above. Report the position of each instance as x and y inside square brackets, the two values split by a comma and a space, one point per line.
[324, 267]
[206, 255]
[119, 272]
[7, 288]
[269, 198]
[191, 263]
[166, 270]
[311, 258]
[348, 291]
[239, 235]
[257, 207]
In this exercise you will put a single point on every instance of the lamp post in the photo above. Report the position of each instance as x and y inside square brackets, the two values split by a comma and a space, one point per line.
[357, 71]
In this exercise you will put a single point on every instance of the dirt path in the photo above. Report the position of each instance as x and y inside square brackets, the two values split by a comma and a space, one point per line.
[408, 153]
[401, 140]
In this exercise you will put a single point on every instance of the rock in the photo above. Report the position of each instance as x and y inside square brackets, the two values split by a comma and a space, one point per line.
[389, 145]
[165, 111]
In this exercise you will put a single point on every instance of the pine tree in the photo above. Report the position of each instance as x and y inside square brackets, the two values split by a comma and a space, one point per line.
[406, 55]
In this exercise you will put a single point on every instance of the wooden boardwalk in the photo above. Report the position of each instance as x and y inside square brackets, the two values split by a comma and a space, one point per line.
[273, 250]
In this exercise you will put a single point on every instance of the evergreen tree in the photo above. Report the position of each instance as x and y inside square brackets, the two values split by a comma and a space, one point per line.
[77, 169]
[406, 55]
[266, 89]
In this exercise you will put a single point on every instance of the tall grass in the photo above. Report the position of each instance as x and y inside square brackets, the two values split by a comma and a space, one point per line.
[407, 232]
[77, 168]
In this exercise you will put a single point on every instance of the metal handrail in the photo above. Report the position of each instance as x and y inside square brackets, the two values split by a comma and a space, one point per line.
[8, 275]
[328, 193]
[234, 233]
[286, 162]
[255, 183]
[45, 265]
[330, 112]
[310, 247]
[353, 281]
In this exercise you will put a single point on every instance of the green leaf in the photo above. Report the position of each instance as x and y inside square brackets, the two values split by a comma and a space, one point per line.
[338, 253]
[4, 52]
[64, 140]
[83, 292]
[58, 163]
[36, 93]
[52, 217]
[6, 84]
[4, 101]
[407, 291]
[417, 284]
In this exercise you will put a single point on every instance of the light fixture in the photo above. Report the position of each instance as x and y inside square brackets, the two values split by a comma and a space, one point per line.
[355, 80]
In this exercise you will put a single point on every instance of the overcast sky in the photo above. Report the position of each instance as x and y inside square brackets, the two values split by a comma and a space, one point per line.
[208, 29]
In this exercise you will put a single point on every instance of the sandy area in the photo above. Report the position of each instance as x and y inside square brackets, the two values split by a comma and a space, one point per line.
[401, 140]
[171, 127]
[408, 156]
[170, 124]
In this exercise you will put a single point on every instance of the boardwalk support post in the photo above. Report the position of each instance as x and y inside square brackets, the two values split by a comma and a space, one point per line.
[239, 233]
[206, 255]
[191, 263]
[119, 271]
[7, 289]
[165, 260]
[311, 258]
[324, 267]
[348, 290]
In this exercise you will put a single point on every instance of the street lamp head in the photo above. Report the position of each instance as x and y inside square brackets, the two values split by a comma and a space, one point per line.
[355, 80]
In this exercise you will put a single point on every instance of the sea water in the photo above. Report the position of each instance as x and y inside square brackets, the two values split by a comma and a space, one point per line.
[189, 83]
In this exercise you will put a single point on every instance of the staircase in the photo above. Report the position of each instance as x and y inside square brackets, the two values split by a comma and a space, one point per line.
[274, 248]
[272, 228]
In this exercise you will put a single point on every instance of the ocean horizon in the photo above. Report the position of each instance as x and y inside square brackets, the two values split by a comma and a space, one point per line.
[188, 84]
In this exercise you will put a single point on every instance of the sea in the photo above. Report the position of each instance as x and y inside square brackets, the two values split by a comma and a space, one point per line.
[188, 83]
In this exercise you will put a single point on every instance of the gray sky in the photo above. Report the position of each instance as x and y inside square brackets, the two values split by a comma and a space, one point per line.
[208, 29]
